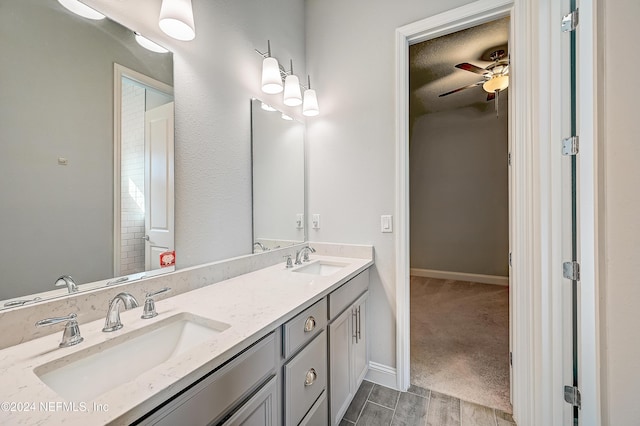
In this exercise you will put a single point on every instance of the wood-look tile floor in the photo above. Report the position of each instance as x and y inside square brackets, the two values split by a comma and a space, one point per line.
[375, 405]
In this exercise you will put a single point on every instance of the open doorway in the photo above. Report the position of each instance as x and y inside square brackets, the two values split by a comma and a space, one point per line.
[459, 214]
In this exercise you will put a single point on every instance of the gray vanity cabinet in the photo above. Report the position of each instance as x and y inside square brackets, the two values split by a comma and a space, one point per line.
[348, 351]
[305, 367]
[245, 386]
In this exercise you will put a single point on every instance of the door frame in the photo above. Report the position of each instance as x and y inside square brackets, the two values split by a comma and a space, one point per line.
[120, 71]
[535, 214]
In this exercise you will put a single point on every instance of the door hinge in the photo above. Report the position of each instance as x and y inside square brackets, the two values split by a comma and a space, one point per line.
[570, 21]
[509, 158]
[510, 259]
[570, 146]
[511, 359]
[571, 270]
[572, 396]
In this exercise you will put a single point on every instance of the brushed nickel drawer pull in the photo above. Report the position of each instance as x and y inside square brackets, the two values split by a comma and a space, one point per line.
[310, 377]
[309, 324]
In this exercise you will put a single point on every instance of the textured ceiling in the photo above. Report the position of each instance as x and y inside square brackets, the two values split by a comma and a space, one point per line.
[432, 67]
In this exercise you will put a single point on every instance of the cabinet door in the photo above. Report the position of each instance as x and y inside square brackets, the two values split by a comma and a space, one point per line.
[340, 347]
[360, 347]
[259, 410]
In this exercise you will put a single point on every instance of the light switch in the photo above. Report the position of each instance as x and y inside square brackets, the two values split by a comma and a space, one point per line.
[300, 221]
[315, 221]
[386, 223]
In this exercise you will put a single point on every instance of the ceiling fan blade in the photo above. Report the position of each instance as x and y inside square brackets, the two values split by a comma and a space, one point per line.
[462, 88]
[491, 96]
[472, 68]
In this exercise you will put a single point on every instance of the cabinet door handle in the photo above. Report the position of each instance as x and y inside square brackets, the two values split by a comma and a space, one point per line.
[354, 324]
[310, 377]
[309, 324]
[359, 324]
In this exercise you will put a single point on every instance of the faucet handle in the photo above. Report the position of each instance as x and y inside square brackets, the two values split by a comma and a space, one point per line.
[289, 261]
[150, 305]
[71, 335]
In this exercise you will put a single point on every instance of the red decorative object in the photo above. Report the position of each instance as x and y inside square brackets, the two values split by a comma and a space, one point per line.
[168, 258]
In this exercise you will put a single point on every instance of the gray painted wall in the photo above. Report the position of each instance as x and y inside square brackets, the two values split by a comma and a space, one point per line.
[459, 190]
[351, 59]
[56, 93]
[619, 213]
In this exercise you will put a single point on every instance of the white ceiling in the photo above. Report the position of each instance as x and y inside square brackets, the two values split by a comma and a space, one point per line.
[432, 68]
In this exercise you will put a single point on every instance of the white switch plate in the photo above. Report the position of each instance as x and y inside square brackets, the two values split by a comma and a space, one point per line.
[299, 221]
[386, 223]
[315, 221]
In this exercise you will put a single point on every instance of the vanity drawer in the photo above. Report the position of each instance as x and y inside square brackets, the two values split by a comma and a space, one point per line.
[211, 398]
[301, 329]
[319, 414]
[305, 378]
[343, 297]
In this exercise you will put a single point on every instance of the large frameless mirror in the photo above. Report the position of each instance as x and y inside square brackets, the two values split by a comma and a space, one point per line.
[278, 178]
[86, 130]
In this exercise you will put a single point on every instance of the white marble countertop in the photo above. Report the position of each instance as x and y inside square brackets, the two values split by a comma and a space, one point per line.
[253, 304]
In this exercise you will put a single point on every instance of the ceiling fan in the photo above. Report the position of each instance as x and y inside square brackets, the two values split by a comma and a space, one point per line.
[496, 76]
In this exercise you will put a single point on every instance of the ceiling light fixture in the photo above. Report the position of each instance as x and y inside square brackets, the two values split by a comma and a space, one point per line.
[176, 19]
[81, 9]
[148, 44]
[496, 83]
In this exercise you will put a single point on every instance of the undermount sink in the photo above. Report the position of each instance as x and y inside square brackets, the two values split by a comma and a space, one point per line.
[320, 267]
[86, 374]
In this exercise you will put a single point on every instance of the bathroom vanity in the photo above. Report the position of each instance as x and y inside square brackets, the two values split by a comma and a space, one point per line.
[275, 346]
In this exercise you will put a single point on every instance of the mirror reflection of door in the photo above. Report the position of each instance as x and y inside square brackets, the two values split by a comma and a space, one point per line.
[158, 183]
[146, 177]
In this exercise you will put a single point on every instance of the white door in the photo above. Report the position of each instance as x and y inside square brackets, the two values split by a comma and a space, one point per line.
[158, 145]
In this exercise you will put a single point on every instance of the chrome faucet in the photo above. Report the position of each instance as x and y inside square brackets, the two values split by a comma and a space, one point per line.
[112, 322]
[71, 335]
[260, 245]
[303, 254]
[68, 281]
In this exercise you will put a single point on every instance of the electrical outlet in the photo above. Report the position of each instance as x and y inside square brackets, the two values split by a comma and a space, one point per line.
[315, 221]
[300, 221]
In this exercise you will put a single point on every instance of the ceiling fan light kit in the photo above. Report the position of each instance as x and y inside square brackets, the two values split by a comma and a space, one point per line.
[496, 76]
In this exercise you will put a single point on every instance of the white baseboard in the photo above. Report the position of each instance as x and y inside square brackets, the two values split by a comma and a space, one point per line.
[461, 276]
[382, 375]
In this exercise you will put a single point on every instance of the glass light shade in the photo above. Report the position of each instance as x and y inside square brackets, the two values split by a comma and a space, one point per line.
[148, 44]
[286, 117]
[81, 9]
[292, 95]
[176, 19]
[496, 83]
[310, 104]
[271, 80]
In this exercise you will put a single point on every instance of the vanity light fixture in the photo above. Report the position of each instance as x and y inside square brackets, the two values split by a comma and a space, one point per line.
[267, 107]
[148, 44]
[271, 77]
[176, 19]
[81, 9]
[286, 117]
[310, 103]
[292, 95]
[273, 74]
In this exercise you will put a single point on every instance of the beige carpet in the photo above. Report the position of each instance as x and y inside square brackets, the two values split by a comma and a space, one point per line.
[460, 340]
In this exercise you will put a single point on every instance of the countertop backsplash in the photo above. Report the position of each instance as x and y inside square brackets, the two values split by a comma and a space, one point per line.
[17, 324]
